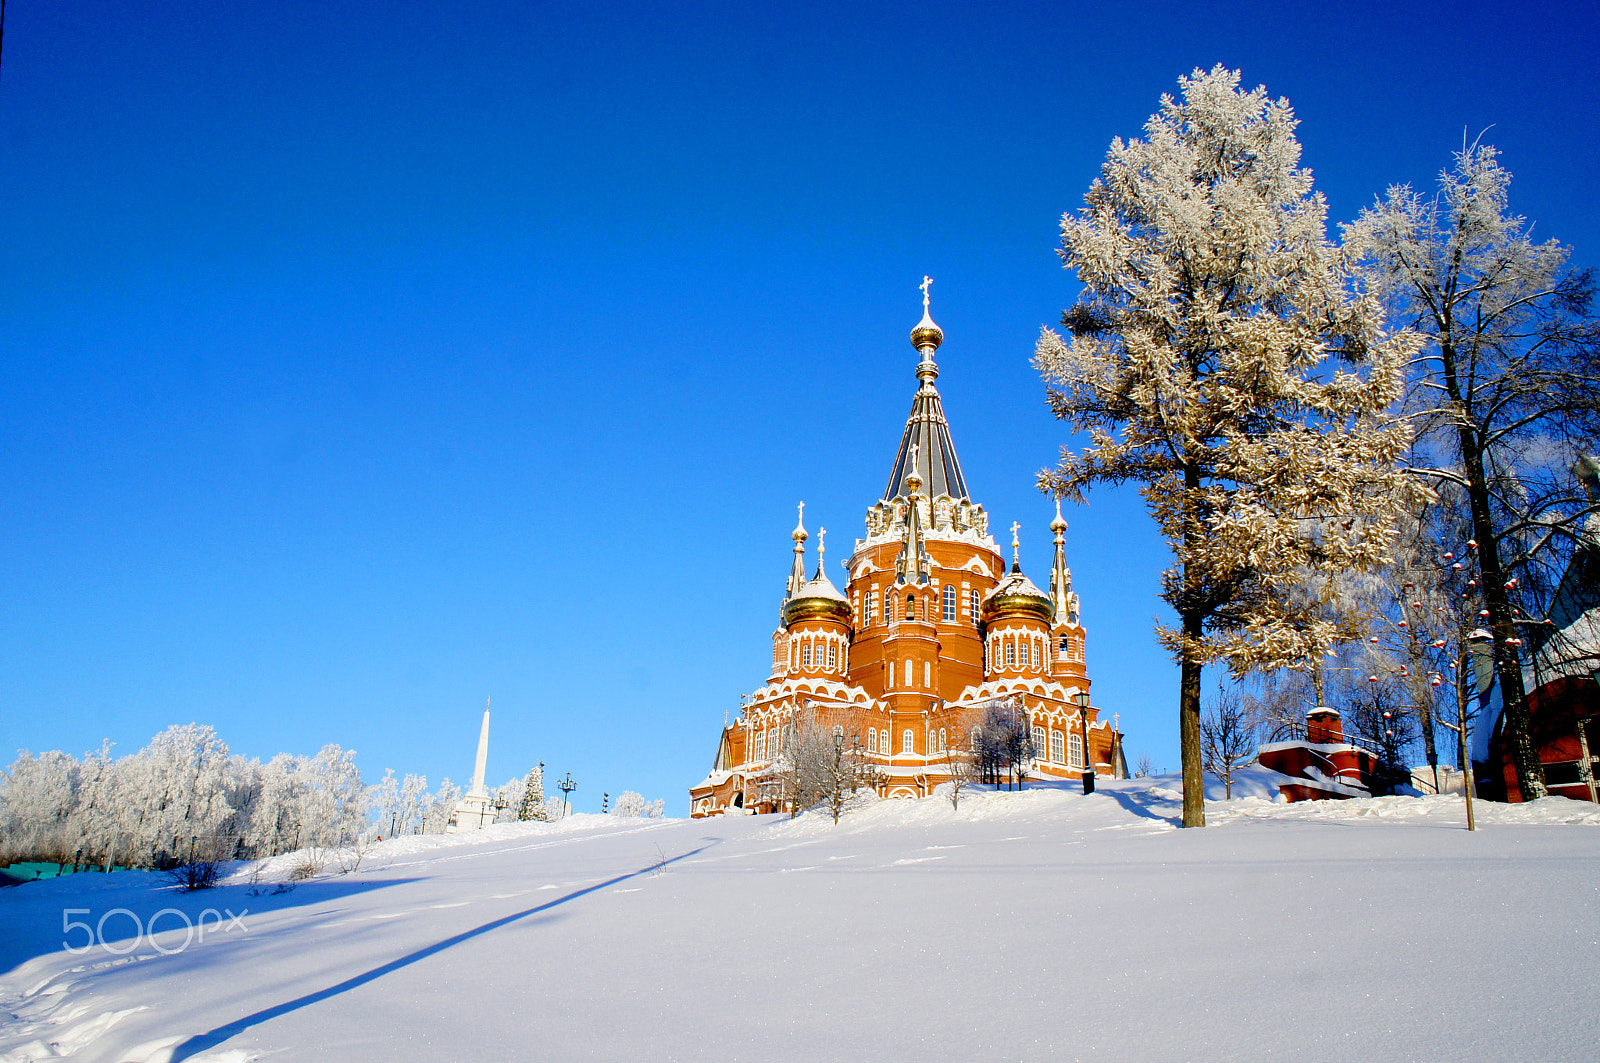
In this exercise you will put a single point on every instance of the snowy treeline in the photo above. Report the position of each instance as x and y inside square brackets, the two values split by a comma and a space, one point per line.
[186, 796]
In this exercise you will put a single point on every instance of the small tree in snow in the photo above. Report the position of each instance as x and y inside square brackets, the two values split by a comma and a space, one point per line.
[1198, 364]
[1227, 739]
[959, 754]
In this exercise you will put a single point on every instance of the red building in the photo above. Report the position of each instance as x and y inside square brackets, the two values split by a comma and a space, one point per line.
[1323, 765]
[1562, 677]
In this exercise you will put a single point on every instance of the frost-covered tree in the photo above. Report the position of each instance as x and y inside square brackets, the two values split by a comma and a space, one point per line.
[38, 796]
[1217, 359]
[276, 821]
[1505, 391]
[533, 808]
[633, 805]
[181, 792]
[413, 802]
[507, 799]
[385, 801]
[436, 817]
[334, 798]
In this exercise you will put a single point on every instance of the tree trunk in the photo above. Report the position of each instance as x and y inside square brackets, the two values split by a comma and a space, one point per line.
[1515, 729]
[1194, 787]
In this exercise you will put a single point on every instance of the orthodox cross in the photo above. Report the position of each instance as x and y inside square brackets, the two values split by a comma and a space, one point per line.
[1014, 543]
[926, 282]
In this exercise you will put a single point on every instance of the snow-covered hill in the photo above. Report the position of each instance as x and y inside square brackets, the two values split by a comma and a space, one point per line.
[1041, 925]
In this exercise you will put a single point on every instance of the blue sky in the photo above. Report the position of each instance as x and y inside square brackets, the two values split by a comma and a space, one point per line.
[361, 361]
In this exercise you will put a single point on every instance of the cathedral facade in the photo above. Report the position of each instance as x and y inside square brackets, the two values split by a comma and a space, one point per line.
[930, 631]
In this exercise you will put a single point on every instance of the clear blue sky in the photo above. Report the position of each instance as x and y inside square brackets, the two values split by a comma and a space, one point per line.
[359, 361]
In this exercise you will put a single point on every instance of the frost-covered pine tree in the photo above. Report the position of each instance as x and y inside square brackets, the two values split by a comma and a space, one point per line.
[1505, 392]
[533, 806]
[1217, 359]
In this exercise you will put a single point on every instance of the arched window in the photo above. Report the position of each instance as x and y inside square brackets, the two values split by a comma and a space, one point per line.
[833, 655]
[883, 741]
[1038, 742]
[949, 604]
[805, 655]
[1075, 749]
[1011, 654]
[872, 740]
[911, 607]
[761, 746]
[942, 746]
[1057, 748]
[973, 606]
[908, 673]
[908, 742]
[1065, 649]
[927, 673]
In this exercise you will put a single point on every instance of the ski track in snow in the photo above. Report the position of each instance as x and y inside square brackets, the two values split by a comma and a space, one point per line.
[1374, 929]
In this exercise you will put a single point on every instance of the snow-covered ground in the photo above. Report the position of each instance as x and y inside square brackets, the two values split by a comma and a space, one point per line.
[1041, 925]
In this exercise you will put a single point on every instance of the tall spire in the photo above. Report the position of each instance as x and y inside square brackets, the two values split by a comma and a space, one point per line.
[914, 565]
[797, 571]
[479, 766]
[1061, 596]
[1016, 548]
[926, 441]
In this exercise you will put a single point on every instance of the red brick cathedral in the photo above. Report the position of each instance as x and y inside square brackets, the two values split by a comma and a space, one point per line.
[930, 630]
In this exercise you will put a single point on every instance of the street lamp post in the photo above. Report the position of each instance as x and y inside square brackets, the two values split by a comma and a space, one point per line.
[1082, 699]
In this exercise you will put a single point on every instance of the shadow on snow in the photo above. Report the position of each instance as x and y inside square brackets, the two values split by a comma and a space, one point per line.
[209, 1040]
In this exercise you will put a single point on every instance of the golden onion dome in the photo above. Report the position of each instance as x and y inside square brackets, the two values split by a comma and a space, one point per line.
[819, 599]
[1017, 595]
[926, 334]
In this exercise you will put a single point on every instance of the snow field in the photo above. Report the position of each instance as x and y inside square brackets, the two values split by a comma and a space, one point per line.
[1039, 925]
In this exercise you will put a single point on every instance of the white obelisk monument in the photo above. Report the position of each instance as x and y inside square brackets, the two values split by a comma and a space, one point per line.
[476, 809]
